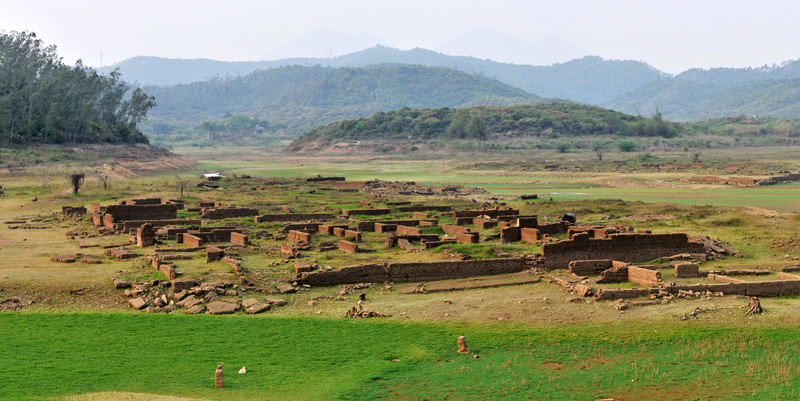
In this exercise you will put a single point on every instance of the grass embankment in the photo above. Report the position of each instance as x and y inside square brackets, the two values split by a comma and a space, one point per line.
[57, 355]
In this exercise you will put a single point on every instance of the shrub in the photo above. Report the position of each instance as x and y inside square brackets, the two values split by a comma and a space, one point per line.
[626, 146]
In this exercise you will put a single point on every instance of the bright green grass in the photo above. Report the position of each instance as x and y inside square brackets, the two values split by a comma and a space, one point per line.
[55, 355]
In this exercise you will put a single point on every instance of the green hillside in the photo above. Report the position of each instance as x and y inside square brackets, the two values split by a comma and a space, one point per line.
[301, 98]
[481, 123]
[764, 98]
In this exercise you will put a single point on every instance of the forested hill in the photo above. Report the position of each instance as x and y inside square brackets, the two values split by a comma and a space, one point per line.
[42, 100]
[589, 80]
[700, 94]
[480, 123]
[301, 98]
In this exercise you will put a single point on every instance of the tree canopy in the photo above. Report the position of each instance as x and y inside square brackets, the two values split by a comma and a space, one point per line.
[42, 100]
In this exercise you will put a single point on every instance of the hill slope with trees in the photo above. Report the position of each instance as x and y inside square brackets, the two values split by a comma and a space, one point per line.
[42, 100]
[297, 99]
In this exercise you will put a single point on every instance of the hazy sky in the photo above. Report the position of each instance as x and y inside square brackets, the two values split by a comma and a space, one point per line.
[670, 35]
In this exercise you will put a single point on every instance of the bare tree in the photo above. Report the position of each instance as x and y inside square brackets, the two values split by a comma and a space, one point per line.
[77, 181]
[182, 184]
[696, 156]
[103, 180]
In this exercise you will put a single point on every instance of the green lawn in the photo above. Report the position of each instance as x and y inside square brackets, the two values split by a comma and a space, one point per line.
[56, 355]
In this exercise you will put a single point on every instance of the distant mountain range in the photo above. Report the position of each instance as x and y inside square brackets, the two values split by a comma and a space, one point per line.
[493, 45]
[589, 80]
[323, 43]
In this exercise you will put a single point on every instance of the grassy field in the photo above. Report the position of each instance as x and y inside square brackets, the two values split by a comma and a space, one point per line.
[81, 341]
[57, 355]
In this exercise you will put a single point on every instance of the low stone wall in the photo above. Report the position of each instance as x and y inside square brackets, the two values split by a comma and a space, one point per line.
[348, 246]
[425, 208]
[142, 212]
[354, 235]
[493, 213]
[412, 272]
[128, 225]
[484, 224]
[555, 228]
[420, 215]
[644, 277]
[218, 213]
[510, 234]
[622, 247]
[529, 235]
[392, 240]
[453, 230]
[406, 230]
[385, 227]
[298, 236]
[528, 222]
[291, 217]
[618, 273]
[310, 227]
[687, 270]
[239, 239]
[213, 253]
[73, 210]
[589, 267]
[339, 231]
[328, 230]
[436, 244]
[467, 238]
[366, 212]
[192, 240]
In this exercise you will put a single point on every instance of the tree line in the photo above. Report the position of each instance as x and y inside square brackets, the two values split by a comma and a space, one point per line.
[43, 100]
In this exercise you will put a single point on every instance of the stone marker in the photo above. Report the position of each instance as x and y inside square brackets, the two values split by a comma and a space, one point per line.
[218, 377]
[462, 345]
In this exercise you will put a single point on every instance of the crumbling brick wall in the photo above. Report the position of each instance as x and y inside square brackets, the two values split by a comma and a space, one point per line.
[348, 246]
[329, 229]
[128, 225]
[143, 212]
[366, 212]
[145, 235]
[213, 253]
[412, 272]
[310, 227]
[73, 210]
[385, 227]
[239, 239]
[354, 235]
[529, 235]
[339, 231]
[493, 213]
[453, 230]
[618, 273]
[528, 222]
[467, 238]
[642, 276]
[589, 267]
[510, 234]
[192, 241]
[555, 228]
[484, 224]
[622, 247]
[406, 230]
[687, 270]
[291, 217]
[425, 208]
[391, 240]
[227, 213]
[299, 236]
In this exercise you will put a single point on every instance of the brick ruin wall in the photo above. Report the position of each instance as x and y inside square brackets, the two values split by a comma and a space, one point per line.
[73, 210]
[406, 230]
[348, 246]
[412, 272]
[555, 228]
[369, 226]
[392, 240]
[510, 234]
[291, 217]
[298, 236]
[143, 212]
[354, 235]
[493, 213]
[329, 230]
[385, 227]
[130, 224]
[239, 239]
[529, 235]
[219, 213]
[621, 247]
[453, 230]
[644, 277]
[589, 267]
[425, 208]
[467, 238]
[310, 227]
[366, 212]
[192, 240]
